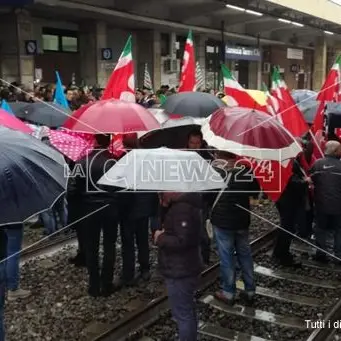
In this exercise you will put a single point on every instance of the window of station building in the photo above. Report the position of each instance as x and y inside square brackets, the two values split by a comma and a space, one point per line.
[57, 40]
[50, 42]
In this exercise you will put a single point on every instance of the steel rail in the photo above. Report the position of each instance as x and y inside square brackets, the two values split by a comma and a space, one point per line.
[149, 313]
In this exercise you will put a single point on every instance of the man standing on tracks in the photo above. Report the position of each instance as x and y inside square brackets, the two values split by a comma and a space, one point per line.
[3, 252]
[179, 257]
[101, 215]
[326, 177]
[230, 217]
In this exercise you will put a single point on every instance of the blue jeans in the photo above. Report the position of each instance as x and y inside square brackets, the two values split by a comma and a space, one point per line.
[49, 221]
[326, 224]
[60, 212]
[2, 298]
[229, 242]
[14, 243]
[181, 293]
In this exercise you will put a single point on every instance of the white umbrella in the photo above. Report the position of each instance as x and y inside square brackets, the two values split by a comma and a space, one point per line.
[163, 169]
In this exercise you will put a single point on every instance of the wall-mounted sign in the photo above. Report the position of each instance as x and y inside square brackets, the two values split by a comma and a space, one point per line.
[31, 47]
[295, 54]
[243, 53]
[107, 53]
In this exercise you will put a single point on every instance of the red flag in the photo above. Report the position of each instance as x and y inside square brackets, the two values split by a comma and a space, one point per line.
[330, 92]
[187, 78]
[121, 84]
[289, 113]
[272, 176]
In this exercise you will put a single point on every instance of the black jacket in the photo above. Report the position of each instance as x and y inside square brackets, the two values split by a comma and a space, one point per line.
[296, 191]
[179, 246]
[326, 176]
[241, 185]
[83, 188]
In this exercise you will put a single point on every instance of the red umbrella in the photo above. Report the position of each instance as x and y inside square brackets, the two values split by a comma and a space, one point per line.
[9, 121]
[249, 133]
[111, 117]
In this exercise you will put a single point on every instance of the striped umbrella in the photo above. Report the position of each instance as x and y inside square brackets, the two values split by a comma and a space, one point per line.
[199, 77]
[147, 81]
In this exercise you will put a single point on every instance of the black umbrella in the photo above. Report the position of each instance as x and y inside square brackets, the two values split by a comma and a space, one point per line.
[31, 176]
[303, 95]
[173, 133]
[195, 104]
[44, 113]
[309, 110]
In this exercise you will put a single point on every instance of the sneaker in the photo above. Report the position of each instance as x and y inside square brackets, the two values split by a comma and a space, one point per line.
[18, 294]
[221, 296]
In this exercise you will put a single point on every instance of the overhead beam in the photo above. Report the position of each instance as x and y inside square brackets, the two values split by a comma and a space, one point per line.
[267, 26]
[185, 12]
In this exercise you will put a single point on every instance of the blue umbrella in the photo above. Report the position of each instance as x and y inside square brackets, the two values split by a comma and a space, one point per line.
[303, 95]
[309, 110]
[31, 176]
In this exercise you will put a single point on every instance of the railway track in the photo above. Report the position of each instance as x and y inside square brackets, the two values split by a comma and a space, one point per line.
[47, 246]
[285, 300]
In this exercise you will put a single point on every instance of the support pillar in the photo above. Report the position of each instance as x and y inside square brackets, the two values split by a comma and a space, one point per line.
[149, 52]
[320, 63]
[93, 37]
[16, 65]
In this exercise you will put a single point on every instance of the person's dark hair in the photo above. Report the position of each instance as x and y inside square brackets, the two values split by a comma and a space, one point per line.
[196, 133]
[103, 140]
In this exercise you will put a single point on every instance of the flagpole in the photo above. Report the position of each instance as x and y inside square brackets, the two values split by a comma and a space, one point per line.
[316, 143]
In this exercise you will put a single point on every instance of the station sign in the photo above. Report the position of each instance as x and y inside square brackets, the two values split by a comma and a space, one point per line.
[243, 53]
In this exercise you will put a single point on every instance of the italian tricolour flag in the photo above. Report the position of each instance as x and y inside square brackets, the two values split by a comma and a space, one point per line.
[187, 77]
[237, 96]
[121, 84]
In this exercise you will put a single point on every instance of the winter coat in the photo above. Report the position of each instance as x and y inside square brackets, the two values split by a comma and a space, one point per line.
[179, 253]
[326, 176]
[227, 214]
[84, 190]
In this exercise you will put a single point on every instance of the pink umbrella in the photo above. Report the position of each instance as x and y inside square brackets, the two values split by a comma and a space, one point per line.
[10, 121]
[71, 144]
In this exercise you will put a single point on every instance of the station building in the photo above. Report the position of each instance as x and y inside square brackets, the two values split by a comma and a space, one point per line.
[83, 39]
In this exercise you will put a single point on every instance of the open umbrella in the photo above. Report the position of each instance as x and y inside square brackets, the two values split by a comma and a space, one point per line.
[10, 121]
[163, 169]
[31, 176]
[172, 134]
[303, 95]
[309, 110]
[111, 117]
[249, 133]
[73, 145]
[43, 113]
[196, 104]
[159, 114]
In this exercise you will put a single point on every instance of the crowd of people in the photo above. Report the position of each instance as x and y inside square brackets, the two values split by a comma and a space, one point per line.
[176, 222]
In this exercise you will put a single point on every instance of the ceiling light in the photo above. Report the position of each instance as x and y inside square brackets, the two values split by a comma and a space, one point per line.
[236, 8]
[297, 24]
[328, 32]
[254, 12]
[284, 20]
